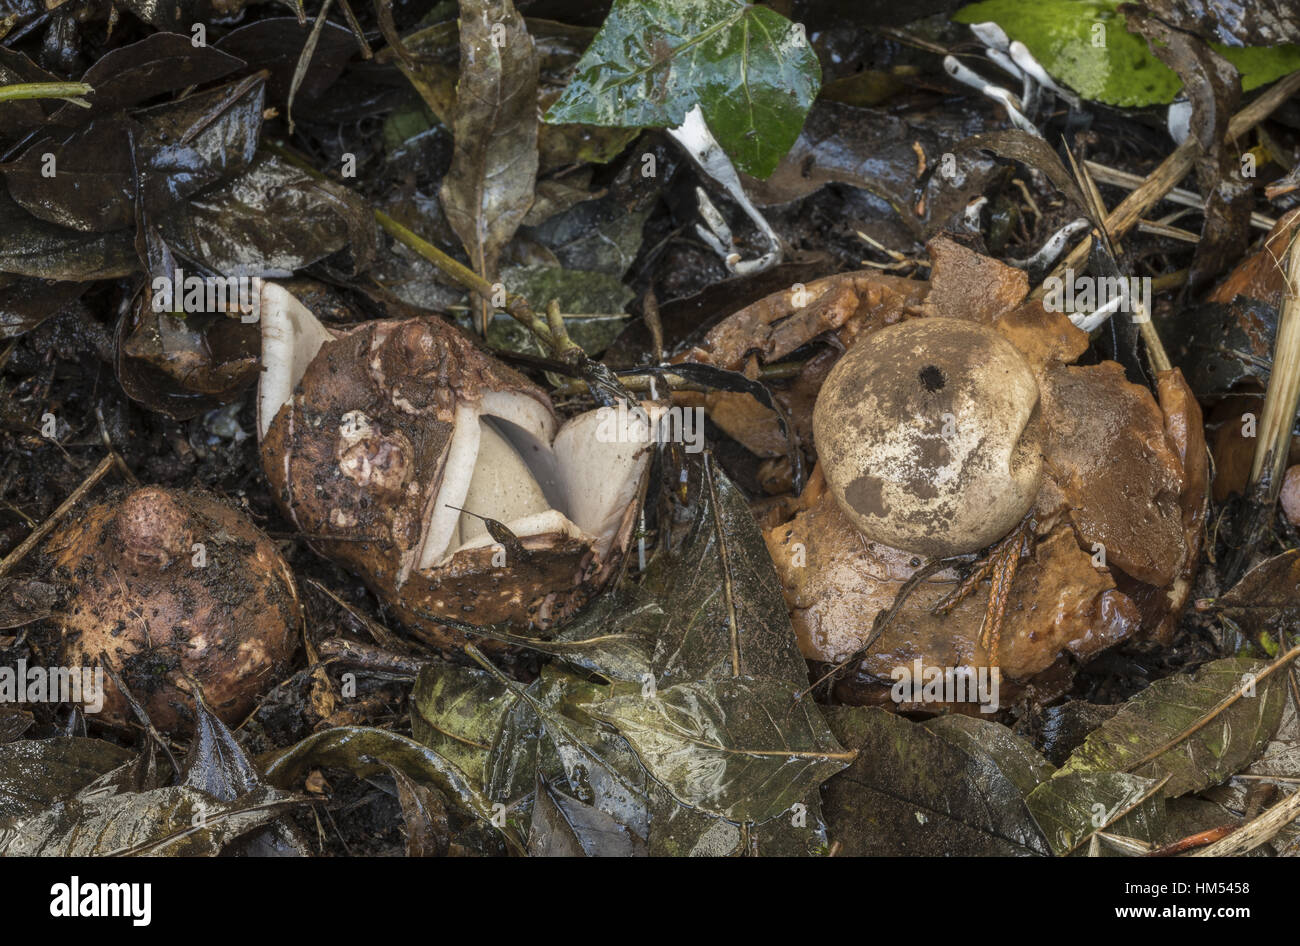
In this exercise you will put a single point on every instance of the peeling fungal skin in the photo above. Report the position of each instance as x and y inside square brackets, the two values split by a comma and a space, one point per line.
[232, 622]
[386, 441]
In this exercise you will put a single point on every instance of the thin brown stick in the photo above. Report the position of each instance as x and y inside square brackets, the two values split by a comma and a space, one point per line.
[1175, 167]
[1254, 833]
[41, 531]
[1214, 714]
[1184, 198]
[1283, 396]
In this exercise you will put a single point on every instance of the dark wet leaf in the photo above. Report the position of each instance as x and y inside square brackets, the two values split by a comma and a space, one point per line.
[161, 63]
[144, 773]
[1196, 729]
[366, 751]
[270, 221]
[562, 826]
[171, 14]
[457, 711]
[31, 247]
[427, 831]
[216, 763]
[1267, 599]
[1072, 807]
[614, 636]
[13, 723]
[489, 187]
[548, 733]
[90, 189]
[17, 117]
[276, 43]
[177, 821]
[37, 773]
[179, 148]
[1066, 726]
[751, 71]
[723, 610]
[183, 364]
[744, 748]
[679, 831]
[194, 143]
[1226, 344]
[955, 792]
[875, 150]
[1004, 754]
[1032, 152]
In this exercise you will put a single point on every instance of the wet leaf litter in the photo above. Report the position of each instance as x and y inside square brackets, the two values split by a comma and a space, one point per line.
[687, 427]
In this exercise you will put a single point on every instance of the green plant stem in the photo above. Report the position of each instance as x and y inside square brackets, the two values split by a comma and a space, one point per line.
[515, 305]
[44, 90]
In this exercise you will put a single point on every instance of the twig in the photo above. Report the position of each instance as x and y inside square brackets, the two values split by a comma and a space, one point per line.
[1175, 167]
[1156, 353]
[1184, 198]
[1283, 395]
[1254, 833]
[41, 531]
[517, 306]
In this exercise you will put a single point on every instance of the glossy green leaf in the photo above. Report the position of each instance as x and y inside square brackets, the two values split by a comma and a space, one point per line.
[1188, 727]
[457, 711]
[743, 748]
[1084, 44]
[489, 187]
[953, 788]
[1074, 806]
[751, 71]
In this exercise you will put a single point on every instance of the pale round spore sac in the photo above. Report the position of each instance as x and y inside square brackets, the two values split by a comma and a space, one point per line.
[929, 436]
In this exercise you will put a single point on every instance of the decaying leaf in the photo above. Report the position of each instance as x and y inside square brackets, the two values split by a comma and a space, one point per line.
[1196, 729]
[565, 827]
[456, 712]
[176, 821]
[917, 791]
[1073, 806]
[776, 325]
[489, 188]
[360, 749]
[743, 748]
[427, 833]
[1267, 599]
[37, 773]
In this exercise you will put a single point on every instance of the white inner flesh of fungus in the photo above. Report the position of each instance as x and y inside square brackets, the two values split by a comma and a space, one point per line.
[291, 336]
[504, 462]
